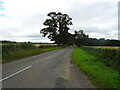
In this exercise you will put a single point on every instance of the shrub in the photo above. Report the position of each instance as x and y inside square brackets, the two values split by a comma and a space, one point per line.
[46, 46]
[10, 48]
[109, 57]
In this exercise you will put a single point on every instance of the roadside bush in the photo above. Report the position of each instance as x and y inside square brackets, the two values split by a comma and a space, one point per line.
[46, 46]
[13, 51]
[109, 57]
[27, 46]
[8, 48]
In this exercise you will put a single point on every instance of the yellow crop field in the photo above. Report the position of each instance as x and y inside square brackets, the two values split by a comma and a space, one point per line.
[45, 45]
[108, 47]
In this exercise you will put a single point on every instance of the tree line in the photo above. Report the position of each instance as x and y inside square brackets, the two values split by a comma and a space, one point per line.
[57, 30]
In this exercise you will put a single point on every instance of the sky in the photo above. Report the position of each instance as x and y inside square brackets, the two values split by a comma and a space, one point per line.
[22, 20]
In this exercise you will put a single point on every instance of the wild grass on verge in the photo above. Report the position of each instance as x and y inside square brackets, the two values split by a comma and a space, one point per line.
[11, 52]
[110, 57]
[100, 75]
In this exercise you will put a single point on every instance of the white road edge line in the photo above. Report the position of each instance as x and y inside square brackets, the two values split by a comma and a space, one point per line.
[15, 73]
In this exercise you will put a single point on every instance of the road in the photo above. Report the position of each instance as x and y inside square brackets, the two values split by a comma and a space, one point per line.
[47, 70]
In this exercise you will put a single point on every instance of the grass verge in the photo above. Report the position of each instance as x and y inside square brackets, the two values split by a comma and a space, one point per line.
[17, 54]
[100, 75]
[110, 57]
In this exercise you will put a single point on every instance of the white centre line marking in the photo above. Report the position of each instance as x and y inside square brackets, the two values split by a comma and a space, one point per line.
[15, 73]
[51, 56]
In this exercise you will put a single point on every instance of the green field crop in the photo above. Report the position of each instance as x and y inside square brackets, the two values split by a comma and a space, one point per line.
[46, 46]
[11, 52]
[99, 74]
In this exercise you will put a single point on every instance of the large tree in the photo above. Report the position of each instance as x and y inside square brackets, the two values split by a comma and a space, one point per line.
[57, 28]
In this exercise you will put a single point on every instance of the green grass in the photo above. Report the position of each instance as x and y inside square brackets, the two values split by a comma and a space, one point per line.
[17, 54]
[110, 57]
[99, 74]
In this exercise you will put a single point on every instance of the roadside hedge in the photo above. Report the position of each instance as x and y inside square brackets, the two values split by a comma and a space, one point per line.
[109, 57]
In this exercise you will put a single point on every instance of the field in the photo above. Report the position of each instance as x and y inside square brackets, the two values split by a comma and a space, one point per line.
[13, 51]
[100, 65]
[106, 47]
[37, 45]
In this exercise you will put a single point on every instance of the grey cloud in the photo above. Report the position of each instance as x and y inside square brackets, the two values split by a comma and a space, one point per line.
[34, 20]
[34, 35]
[83, 15]
[90, 12]
[96, 32]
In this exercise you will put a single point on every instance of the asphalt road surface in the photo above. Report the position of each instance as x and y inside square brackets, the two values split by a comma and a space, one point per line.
[47, 70]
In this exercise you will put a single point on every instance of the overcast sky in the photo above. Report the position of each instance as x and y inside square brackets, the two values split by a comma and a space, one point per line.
[21, 20]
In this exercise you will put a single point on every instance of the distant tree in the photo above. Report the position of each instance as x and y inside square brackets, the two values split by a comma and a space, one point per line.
[57, 28]
[103, 42]
[5, 41]
[81, 38]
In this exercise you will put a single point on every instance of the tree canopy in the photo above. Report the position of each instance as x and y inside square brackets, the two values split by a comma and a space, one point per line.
[57, 27]
[57, 30]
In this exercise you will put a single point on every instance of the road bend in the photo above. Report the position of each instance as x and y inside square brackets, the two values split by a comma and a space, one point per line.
[47, 70]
